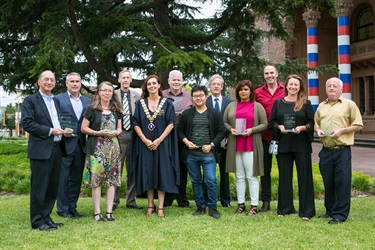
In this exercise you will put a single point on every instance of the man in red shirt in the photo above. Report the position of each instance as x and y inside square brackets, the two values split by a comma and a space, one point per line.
[266, 95]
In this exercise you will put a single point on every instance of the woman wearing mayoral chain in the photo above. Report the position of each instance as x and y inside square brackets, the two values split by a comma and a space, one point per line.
[154, 155]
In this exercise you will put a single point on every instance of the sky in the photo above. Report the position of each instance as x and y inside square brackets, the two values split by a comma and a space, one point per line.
[6, 98]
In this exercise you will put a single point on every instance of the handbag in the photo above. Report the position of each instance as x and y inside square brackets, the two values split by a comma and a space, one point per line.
[274, 145]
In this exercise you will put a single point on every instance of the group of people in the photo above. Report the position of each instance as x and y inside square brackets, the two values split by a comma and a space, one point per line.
[161, 136]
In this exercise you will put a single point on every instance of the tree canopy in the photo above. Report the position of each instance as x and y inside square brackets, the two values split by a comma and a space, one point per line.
[99, 38]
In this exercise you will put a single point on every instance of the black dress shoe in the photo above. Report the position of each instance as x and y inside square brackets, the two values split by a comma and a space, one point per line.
[53, 224]
[183, 203]
[324, 216]
[335, 221]
[66, 215]
[265, 207]
[226, 205]
[168, 203]
[45, 227]
[134, 206]
[75, 214]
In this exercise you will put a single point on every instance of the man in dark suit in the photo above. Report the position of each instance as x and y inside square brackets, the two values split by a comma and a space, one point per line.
[40, 118]
[219, 102]
[128, 98]
[73, 106]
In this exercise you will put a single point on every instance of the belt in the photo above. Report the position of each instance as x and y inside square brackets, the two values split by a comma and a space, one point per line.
[336, 147]
[56, 143]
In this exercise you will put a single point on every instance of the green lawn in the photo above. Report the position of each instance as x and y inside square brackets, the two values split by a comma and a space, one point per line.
[180, 230]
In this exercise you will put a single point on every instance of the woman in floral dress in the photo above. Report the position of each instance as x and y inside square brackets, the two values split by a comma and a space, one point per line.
[102, 124]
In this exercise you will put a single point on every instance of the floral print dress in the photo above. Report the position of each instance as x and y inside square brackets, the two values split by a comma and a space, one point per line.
[104, 167]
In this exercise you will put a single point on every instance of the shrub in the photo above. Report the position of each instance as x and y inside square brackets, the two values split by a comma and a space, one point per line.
[361, 181]
[15, 175]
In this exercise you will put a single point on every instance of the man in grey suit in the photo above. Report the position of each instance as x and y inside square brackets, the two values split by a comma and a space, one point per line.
[73, 106]
[40, 118]
[128, 98]
[219, 102]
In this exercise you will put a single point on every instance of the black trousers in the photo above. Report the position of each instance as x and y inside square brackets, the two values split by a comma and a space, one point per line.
[45, 177]
[305, 184]
[224, 179]
[70, 180]
[265, 180]
[336, 169]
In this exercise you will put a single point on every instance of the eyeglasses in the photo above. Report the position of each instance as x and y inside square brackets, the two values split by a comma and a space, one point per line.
[199, 96]
[105, 90]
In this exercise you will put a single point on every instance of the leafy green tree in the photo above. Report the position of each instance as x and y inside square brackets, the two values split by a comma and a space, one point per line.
[99, 38]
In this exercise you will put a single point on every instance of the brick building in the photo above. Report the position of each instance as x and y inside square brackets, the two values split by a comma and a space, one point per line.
[347, 41]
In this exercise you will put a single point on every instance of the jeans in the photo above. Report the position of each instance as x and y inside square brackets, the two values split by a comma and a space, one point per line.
[209, 170]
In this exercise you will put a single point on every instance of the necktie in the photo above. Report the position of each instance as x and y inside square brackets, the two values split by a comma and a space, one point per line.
[217, 107]
[126, 118]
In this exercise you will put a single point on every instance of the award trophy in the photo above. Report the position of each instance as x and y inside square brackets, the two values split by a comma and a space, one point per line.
[289, 122]
[68, 123]
[240, 126]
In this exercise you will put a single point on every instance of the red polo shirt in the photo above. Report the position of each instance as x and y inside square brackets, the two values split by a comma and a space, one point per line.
[264, 97]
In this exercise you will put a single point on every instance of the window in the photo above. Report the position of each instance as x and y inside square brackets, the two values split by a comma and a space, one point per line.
[372, 96]
[365, 24]
[361, 95]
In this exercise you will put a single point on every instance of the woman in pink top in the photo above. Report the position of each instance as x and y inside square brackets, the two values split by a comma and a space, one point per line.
[245, 119]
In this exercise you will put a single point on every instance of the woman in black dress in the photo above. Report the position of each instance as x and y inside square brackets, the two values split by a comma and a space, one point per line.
[154, 154]
[292, 122]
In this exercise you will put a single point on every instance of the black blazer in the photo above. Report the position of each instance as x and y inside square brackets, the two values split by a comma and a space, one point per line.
[37, 121]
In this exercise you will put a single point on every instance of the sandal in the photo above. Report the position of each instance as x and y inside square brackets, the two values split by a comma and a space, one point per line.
[100, 217]
[253, 210]
[150, 210]
[161, 212]
[110, 218]
[240, 209]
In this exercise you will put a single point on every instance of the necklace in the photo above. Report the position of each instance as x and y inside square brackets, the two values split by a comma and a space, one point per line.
[151, 125]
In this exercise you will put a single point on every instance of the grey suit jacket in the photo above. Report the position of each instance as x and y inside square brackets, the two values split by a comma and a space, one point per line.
[134, 97]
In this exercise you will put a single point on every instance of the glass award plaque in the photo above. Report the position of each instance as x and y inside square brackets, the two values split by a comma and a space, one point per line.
[327, 128]
[240, 126]
[199, 141]
[68, 123]
[289, 122]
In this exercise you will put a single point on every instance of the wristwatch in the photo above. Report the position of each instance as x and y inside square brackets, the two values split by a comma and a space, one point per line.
[212, 145]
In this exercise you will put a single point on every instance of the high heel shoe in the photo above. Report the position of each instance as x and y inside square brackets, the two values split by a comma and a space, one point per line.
[100, 217]
[110, 217]
[161, 212]
[150, 210]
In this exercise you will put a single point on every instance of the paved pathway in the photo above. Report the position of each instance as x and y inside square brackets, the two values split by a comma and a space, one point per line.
[363, 158]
